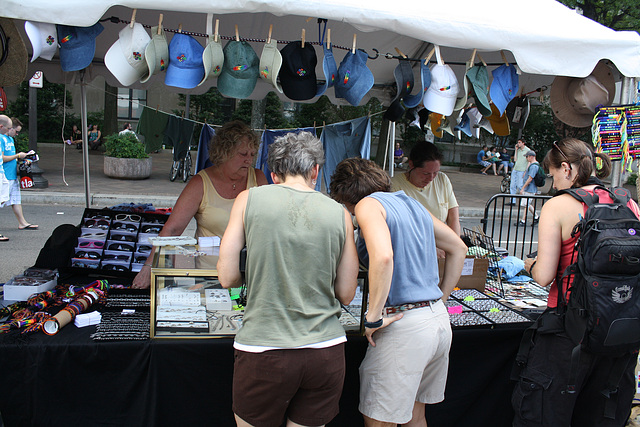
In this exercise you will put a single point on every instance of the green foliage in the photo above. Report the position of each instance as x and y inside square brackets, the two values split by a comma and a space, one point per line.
[273, 114]
[124, 146]
[632, 178]
[22, 142]
[616, 14]
[50, 99]
[210, 107]
[243, 112]
[540, 132]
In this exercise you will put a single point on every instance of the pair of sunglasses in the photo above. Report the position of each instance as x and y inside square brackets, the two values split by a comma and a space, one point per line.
[94, 245]
[97, 216]
[94, 235]
[116, 267]
[120, 247]
[144, 248]
[151, 228]
[140, 259]
[87, 255]
[124, 226]
[121, 257]
[123, 237]
[127, 217]
[84, 265]
[97, 223]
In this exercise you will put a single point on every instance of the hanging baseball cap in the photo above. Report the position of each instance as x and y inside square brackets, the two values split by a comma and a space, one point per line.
[442, 93]
[574, 100]
[240, 70]
[499, 122]
[404, 84]
[474, 120]
[185, 68]
[478, 76]
[411, 101]
[77, 45]
[270, 63]
[212, 60]
[504, 86]
[125, 58]
[44, 39]
[298, 71]
[463, 99]
[13, 55]
[354, 80]
[518, 111]
[465, 125]
[156, 54]
[330, 70]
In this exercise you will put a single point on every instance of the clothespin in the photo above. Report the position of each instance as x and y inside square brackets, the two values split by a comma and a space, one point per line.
[329, 38]
[180, 28]
[428, 58]
[482, 60]
[133, 18]
[353, 48]
[400, 53]
[237, 34]
[160, 23]
[302, 38]
[504, 58]
[270, 30]
[473, 56]
[215, 32]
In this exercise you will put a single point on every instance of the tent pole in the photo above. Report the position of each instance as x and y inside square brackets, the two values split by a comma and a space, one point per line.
[624, 99]
[392, 143]
[85, 142]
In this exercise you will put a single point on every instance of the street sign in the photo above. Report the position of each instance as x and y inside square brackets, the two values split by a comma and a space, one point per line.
[37, 80]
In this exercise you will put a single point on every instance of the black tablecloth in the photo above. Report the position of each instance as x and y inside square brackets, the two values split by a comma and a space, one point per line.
[69, 379]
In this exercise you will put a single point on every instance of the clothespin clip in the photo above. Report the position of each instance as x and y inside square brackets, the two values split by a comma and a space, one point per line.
[303, 38]
[270, 30]
[160, 23]
[429, 55]
[504, 58]
[473, 56]
[237, 34]
[400, 53]
[133, 18]
[329, 38]
[482, 60]
[353, 48]
[180, 28]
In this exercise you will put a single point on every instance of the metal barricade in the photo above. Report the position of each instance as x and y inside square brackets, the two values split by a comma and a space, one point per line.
[502, 215]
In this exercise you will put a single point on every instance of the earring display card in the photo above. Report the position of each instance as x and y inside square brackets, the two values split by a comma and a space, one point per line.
[181, 313]
[218, 299]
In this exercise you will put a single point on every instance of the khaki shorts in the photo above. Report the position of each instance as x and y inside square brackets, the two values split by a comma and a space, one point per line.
[408, 364]
[303, 385]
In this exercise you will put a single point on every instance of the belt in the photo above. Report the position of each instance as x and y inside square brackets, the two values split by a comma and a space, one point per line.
[409, 306]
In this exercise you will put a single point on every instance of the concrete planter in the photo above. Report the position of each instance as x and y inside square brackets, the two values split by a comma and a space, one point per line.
[115, 167]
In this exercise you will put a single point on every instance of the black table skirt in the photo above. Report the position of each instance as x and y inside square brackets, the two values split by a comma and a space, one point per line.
[69, 379]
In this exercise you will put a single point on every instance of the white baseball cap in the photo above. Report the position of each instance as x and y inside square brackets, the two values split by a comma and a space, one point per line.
[44, 39]
[441, 95]
[125, 58]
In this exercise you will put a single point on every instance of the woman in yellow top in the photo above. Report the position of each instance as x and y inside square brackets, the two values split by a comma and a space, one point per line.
[209, 196]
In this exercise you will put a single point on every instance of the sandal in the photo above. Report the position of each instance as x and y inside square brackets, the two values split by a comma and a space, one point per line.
[3, 238]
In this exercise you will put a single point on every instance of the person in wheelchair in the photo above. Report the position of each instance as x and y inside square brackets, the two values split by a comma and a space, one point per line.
[209, 195]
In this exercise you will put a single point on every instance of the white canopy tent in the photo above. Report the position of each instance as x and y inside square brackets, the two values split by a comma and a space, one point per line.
[544, 37]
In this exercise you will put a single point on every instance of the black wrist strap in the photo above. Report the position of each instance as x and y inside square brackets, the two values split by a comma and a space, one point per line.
[373, 325]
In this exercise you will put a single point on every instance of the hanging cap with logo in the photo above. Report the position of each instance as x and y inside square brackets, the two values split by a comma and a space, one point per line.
[213, 55]
[478, 76]
[298, 71]
[270, 63]
[156, 54]
[355, 79]
[240, 70]
[77, 45]
[185, 68]
[125, 58]
[442, 93]
[44, 39]
[499, 122]
[330, 70]
[411, 101]
[504, 86]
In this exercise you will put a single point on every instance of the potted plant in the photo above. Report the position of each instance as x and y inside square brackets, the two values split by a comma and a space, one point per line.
[125, 157]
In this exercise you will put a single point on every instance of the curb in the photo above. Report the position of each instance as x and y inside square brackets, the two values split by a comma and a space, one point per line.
[95, 199]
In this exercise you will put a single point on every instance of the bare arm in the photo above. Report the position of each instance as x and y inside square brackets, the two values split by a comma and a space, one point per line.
[185, 208]
[231, 245]
[455, 251]
[20, 155]
[347, 274]
[453, 220]
[549, 243]
[261, 179]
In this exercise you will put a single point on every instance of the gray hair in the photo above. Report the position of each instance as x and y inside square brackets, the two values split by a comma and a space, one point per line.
[295, 154]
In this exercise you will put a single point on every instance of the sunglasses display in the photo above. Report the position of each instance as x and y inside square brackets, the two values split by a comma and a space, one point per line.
[93, 235]
[88, 255]
[81, 264]
[128, 217]
[97, 223]
[108, 218]
[94, 245]
[140, 259]
[144, 248]
[123, 237]
[151, 228]
[119, 257]
[116, 267]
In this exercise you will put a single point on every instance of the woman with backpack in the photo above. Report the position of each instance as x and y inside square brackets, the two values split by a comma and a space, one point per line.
[546, 394]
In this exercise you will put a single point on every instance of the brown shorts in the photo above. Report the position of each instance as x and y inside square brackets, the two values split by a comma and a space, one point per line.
[303, 385]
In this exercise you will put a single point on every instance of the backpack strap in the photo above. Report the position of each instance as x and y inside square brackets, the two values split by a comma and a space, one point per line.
[611, 387]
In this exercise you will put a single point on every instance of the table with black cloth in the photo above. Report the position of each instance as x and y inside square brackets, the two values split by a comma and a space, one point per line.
[69, 379]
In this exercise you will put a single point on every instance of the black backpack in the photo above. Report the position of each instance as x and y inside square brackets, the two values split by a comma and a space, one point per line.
[540, 177]
[602, 314]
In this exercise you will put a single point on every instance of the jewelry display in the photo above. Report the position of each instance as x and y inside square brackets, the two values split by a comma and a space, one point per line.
[122, 326]
[181, 313]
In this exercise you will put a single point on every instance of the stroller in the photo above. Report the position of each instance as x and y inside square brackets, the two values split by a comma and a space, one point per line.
[181, 161]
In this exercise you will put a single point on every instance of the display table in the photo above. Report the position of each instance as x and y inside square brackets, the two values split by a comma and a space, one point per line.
[69, 379]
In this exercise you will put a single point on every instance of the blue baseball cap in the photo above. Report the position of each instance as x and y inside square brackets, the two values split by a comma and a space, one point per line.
[330, 70]
[77, 45]
[240, 70]
[186, 68]
[411, 101]
[465, 125]
[504, 86]
[354, 78]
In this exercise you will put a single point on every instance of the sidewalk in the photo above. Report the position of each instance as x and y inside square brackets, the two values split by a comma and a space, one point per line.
[471, 188]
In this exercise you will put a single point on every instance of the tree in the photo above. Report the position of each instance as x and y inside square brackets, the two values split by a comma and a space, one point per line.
[50, 100]
[620, 15]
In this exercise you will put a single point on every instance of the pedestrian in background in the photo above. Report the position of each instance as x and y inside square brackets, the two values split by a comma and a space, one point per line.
[519, 168]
